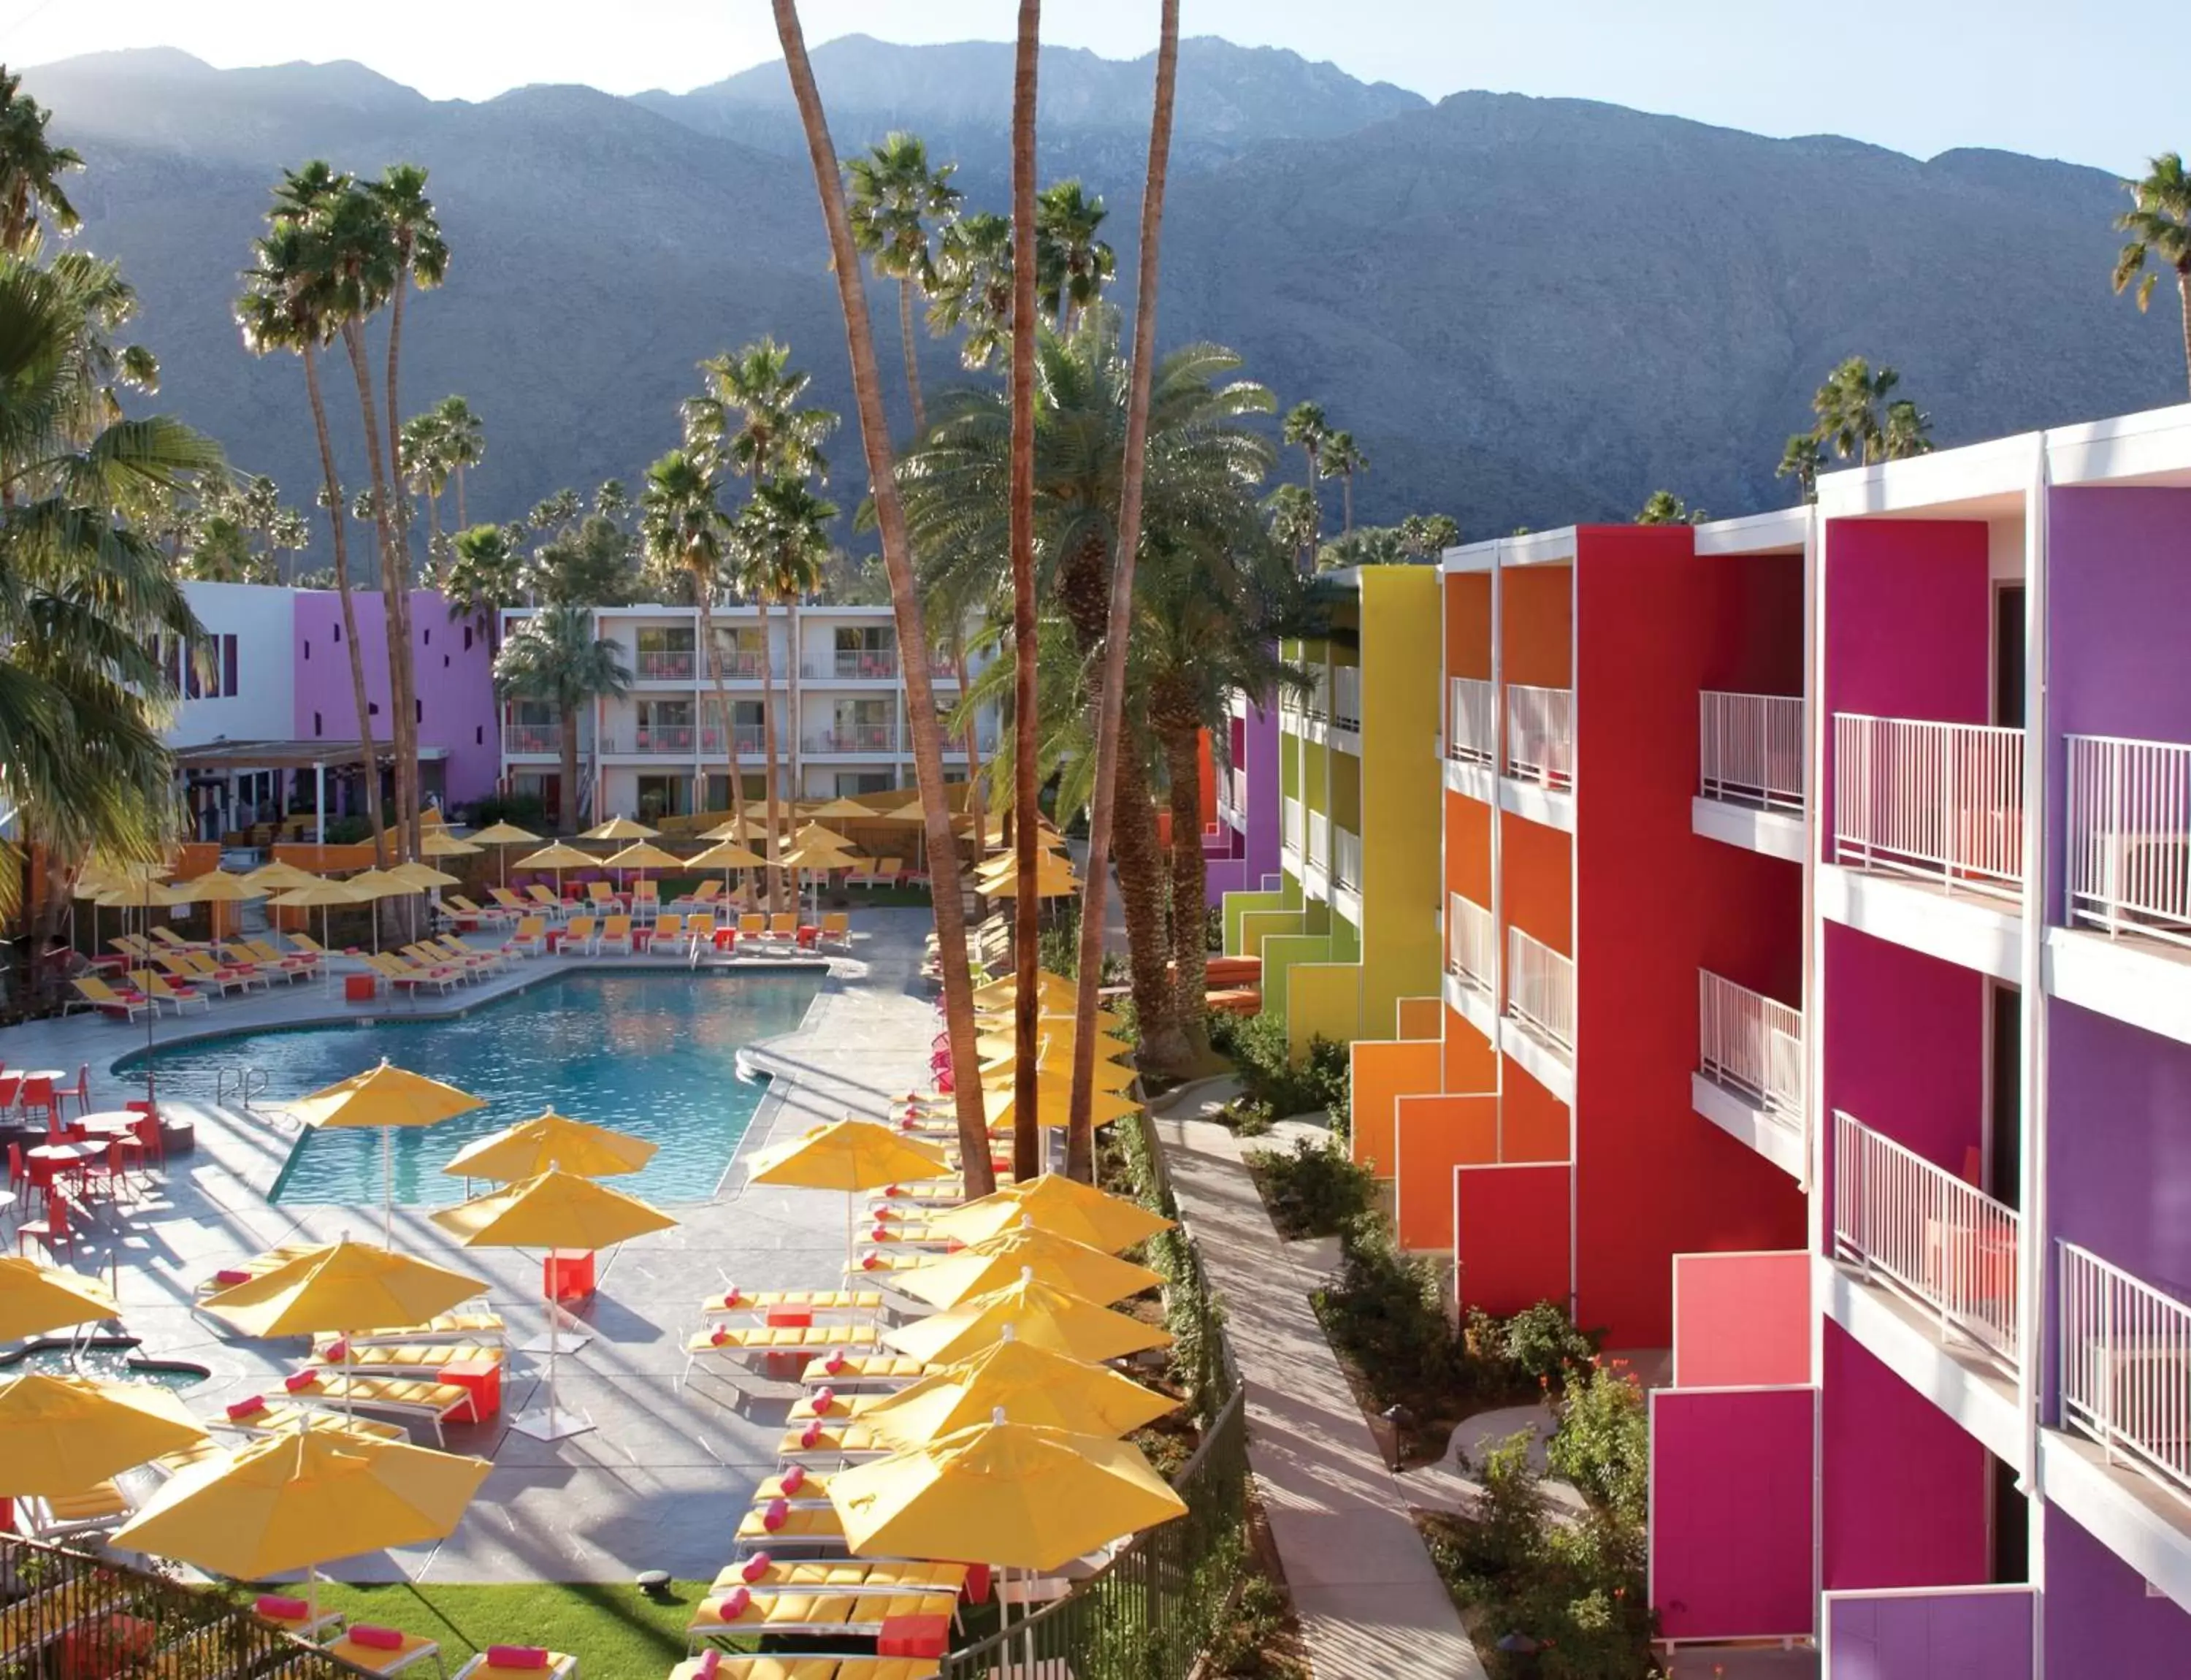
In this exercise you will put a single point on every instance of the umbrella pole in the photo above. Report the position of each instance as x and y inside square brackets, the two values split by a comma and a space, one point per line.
[387, 1189]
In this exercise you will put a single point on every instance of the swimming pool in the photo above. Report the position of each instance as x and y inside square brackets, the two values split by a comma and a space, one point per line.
[653, 1055]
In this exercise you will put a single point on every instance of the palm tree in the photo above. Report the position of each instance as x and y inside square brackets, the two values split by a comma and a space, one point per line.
[1305, 428]
[554, 657]
[2159, 223]
[1847, 406]
[1292, 515]
[781, 537]
[465, 441]
[682, 526]
[286, 305]
[1071, 264]
[422, 466]
[1800, 460]
[1426, 536]
[1663, 507]
[612, 500]
[1111, 690]
[895, 196]
[1340, 458]
[905, 600]
[30, 168]
[1205, 455]
[481, 577]
[973, 285]
[1907, 432]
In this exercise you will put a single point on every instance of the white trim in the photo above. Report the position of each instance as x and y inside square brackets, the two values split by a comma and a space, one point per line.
[1553, 807]
[2133, 1516]
[1472, 1006]
[1542, 1063]
[1973, 931]
[1773, 834]
[1786, 1147]
[1781, 531]
[1469, 779]
[2126, 980]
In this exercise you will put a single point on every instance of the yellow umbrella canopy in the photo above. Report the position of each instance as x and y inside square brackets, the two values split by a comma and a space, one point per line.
[505, 834]
[620, 829]
[1032, 1384]
[342, 1286]
[280, 877]
[35, 1299]
[993, 1043]
[559, 856]
[1054, 1020]
[65, 1434]
[1056, 1204]
[386, 1095]
[727, 855]
[1036, 1311]
[439, 844]
[320, 894]
[848, 1155]
[555, 1209]
[549, 1139]
[995, 1262]
[753, 825]
[216, 888]
[145, 895]
[814, 834]
[370, 884]
[420, 876]
[293, 1501]
[1049, 883]
[1052, 987]
[642, 856]
[1055, 1063]
[1014, 1495]
[842, 808]
[1053, 1096]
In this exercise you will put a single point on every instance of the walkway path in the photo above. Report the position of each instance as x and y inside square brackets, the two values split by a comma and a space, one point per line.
[1371, 1606]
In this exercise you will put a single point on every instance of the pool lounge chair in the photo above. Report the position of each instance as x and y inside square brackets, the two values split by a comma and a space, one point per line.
[699, 935]
[545, 903]
[473, 965]
[701, 898]
[378, 1658]
[646, 899]
[745, 1610]
[243, 1271]
[514, 906]
[199, 964]
[397, 973]
[836, 929]
[821, 1665]
[476, 1327]
[167, 989]
[602, 896]
[489, 961]
[616, 931]
[843, 1371]
[403, 1359]
[312, 947]
[529, 938]
[857, 1576]
[188, 974]
[559, 1665]
[124, 1007]
[303, 961]
[832, 1444]
[498, 915]
[175, 941]
[753, 925]
[766, 1341]
[783, 928]
[291, 969]
[266, 1417]
[747, 1303]
[99, 1509]
[669, 929]
[294, 1617]
[579, 934]
[411, 1398]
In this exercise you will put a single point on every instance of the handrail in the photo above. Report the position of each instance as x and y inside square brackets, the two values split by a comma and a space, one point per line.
[2126, 1366]
[1750, 749]
[1939, 800]
[1541, 989]
[2128, 828]
[1472, 939]
[1739, 1038]
[1540, 735]
[1472, 721]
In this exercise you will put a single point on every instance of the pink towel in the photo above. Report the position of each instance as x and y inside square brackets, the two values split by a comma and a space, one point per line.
[824, 1399]
[753, 1568]
[792, 1479]
[296, 1381]
[337, 1353]
[710, 1660]
[834, 1363]
[282, 1609]
[228, 1277]
[517, 1656]
[376, 1639]
[775, 1514]
[811, 1435]
[736, 1602]
[880, 1233]
[249, 1407]
[732, 1299]
[720, 1337]
[870, 1261]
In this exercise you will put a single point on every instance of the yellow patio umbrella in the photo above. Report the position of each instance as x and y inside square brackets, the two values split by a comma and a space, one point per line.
[551, 1140]
[35, 1299]
[342, 1286]
[1053, 1097]
[996, 1043]
[219, 887]
[1057, 881]
[841, 807]
[995, 1262]
[139, 891]
[384, 1098]
[502, 836]
[620, 829]
[1052, 987]
[289, 1502]
[559, 857]
[323, 894]
[848, 1155]
[421, 876]
[441, 844]
[1031, 1383]
[1016, 1495]
[1037, 1312]
[1053, 1020]
[62, 1435]
[1053, 1063]
[1057, 1204]
[557, 1208]
[280, 877]
[641, 856]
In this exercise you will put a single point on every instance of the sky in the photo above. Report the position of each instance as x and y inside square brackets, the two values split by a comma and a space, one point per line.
[1921, 76]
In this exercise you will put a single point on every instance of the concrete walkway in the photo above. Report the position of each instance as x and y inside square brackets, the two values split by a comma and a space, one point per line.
[1371, 1606]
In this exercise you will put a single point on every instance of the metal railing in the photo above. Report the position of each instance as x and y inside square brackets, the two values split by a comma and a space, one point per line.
[666, 665]
[1319, 697]
[1471, 944]
[854, 738]
[1295, 829]
[1347, 697]
[1750, 749]
[741, 664]
[1319, 839]
[1751, 1043]
[870, 665]
[1540, 734]
[671, 738]
[532, 738]
[1472, 728]
[62, 1612]
[1236, 784]
[2126, 1366]
[1541, 989]
[1945, 1245]
[2128, 828]
[1940, 799]
[1346, 857]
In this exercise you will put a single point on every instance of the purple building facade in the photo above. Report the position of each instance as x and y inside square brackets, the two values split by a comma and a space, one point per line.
[1241, 849]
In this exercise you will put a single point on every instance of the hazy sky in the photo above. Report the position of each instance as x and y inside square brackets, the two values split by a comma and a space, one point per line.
[1919, 76]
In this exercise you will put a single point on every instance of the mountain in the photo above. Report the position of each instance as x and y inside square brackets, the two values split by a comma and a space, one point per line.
[1526, 310]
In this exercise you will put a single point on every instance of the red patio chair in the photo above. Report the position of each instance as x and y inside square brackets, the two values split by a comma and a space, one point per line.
[39, 1094]
[52, 1230]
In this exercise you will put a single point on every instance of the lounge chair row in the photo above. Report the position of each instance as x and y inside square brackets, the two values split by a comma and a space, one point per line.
[190, 975]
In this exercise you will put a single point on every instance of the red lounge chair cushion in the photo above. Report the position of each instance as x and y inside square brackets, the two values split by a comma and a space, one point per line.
[977, 1583]
[375, 1638]
[296, 1381]
[792, 1479]
[775, 1514]
[282, 1609]
[881, 1233]
[517, 1656]
[337, 1353]
[250, 1407]
[824, 1399]
[229, 1278]
[735, 1603]
[753, 1568]
[790, 1317]
[913, 1637]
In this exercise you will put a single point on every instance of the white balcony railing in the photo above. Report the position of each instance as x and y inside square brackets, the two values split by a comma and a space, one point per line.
[1541, 989]
[1945, 1245]
[1347, 697]
[1750, 749]
[853, 737]
[660, 665]
[1472, 730]
[1346, 857]
[742, 665]
[1319, 697]
[1319, 839]
[1939, 800]
[1751, 1043]
[678, 739]
[1295, 832]
[870, 665]
[1540, 734]
[2129, 827]
[1236, 783]
[532, 738]
[2126, 1366]
[1471, 944]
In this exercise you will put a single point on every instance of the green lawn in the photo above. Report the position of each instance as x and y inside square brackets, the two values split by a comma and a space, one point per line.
[615, 1631]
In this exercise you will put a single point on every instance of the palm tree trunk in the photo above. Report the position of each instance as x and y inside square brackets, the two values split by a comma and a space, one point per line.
[1347, 499]
[1144, 884]
[973, 738]
[905, 602]
[2183, 292]
[1027, 908]
[338, 516]
[461, 524]
[569, 744]
[1190, 871]
[912, 362]
[794, 690]
[402, 513]
[393, 592]
[1110, 690]
[768, 742]
[722, 702]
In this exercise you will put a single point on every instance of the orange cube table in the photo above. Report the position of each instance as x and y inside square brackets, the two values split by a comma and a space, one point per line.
[359, 988]
[482, 1380]
[567, 1274]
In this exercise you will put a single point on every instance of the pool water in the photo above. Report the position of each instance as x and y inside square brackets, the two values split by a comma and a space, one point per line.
[105, 1362]
[653, 1055]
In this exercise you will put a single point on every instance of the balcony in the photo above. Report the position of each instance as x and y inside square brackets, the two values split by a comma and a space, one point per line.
[866, 738]
[1346, 698]
[1944, 1246]
[1235, 789]
[1541, 736]
[1319, 840]
[1943, 801]
[675, 740]
[859, 665]
[2129, 837]
[520, 738]
[739, 664]
[1473, 723]
[1472, 945]
[1750, 760]
[659, 665]
[1295, 832]
[1540, 991]
[1345, 858]
[1750, 1070]
[2126, 1367]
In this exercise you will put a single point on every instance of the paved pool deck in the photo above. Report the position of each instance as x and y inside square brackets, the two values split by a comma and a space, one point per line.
[664, 1478]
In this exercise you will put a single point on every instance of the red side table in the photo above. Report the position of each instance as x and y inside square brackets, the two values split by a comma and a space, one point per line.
[482, 1380]
[567, 1274]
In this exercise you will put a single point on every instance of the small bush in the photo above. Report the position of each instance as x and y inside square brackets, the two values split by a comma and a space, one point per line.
[348, 830]
[1384, 1318]
[1315, 1191]
[1538, 1348]
[1246, 1118]
[1603, 1444]
[1213, 931]
[1257, 1046]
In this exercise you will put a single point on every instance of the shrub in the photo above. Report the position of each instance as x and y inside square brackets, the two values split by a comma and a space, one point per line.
[348, 830]
[1315, 1191]
[1258, 1048]
[1213, 931]
[1604, 1443]
[1538, 1348]
[1383, 1317]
